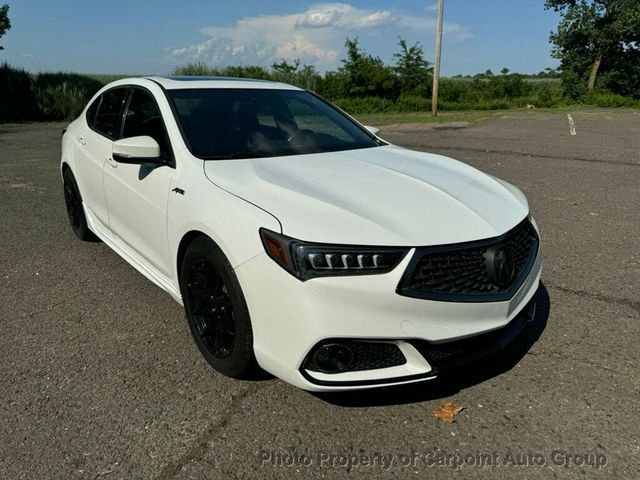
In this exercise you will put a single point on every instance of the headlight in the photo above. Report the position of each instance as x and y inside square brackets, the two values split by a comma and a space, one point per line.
[306, 260]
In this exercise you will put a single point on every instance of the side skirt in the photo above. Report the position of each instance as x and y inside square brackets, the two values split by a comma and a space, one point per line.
[130, 256]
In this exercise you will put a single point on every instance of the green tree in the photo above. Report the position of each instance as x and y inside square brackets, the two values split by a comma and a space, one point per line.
[308, 78]
[285, 67]
[5, 24]
[248, 71]
[548, 73]
[597, 38]
[367, 76]
[304, 76]
[333, 85]
[412, 69]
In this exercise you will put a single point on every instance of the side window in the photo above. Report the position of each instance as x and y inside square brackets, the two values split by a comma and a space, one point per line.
[142, 117]
[108, 116]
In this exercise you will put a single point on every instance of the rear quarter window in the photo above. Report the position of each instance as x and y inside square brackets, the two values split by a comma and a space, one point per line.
[91, 112]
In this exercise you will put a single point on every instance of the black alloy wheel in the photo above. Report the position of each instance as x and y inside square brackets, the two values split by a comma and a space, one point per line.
[211, 308]
[216, 309]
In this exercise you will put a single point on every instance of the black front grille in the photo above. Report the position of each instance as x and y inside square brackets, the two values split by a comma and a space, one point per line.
[463, 272]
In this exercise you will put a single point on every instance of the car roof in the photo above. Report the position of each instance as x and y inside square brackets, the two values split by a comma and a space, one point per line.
[178, 83]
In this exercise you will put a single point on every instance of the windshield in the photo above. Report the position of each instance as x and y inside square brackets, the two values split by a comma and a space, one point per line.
[251, 123]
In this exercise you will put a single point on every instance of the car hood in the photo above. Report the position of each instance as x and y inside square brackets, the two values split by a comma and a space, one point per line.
[375, 196]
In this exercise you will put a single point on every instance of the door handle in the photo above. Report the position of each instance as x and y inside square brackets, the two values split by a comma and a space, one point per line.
[112, 163]
[82, 140]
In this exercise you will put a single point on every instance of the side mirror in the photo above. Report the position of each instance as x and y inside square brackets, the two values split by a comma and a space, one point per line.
[373, 130]
[136, 151]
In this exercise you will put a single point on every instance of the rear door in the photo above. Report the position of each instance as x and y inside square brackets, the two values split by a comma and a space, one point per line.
[93, 147]
[137, 195]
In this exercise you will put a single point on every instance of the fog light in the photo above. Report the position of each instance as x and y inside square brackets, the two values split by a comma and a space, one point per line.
[332, 358]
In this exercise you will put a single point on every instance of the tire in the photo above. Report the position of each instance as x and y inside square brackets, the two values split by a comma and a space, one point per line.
[216, 310]
[75, 211]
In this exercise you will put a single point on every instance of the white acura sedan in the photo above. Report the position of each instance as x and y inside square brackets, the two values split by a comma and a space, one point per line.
[296, 239]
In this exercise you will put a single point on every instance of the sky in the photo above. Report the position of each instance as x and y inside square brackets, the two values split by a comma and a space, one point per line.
[153, 37]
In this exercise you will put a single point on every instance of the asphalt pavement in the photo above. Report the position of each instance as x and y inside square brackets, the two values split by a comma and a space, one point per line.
[99, 377]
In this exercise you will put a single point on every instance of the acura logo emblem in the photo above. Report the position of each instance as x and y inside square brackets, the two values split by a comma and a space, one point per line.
[501, 265]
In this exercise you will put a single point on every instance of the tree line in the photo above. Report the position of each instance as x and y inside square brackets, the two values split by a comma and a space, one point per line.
[365, 83]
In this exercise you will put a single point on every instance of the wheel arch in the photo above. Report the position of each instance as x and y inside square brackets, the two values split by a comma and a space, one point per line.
[185, 241]
[64, 166]
[233, 231]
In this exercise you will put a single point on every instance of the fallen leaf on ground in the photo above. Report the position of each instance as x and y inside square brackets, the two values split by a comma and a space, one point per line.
[447, 411]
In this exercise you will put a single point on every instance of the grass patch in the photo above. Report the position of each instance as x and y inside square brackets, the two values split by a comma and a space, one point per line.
[473, 116]
[470, 116]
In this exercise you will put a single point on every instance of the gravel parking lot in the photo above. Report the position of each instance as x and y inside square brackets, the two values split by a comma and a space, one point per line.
[99, 377]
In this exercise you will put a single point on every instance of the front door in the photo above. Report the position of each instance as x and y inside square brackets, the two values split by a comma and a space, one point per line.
[137, 195]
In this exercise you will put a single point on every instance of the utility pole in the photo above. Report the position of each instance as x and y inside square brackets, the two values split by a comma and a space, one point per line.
[436, 68]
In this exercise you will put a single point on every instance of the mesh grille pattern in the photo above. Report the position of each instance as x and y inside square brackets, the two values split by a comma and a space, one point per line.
[366, 356]
[369, 356]
[464, 271]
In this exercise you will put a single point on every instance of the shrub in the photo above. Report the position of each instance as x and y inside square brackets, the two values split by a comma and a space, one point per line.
[62, 96]
[60, 102]
[365, 105]
[609, 100]
[454, 90]
[17, 100]
[412, 103]
[194, 69]
[546, 94]
[333, 85]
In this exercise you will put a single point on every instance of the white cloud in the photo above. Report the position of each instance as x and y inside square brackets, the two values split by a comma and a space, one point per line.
[322, 15]
[373, 19]
[315, 36]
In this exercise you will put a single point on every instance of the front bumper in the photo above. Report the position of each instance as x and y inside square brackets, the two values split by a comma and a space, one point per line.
[290, 318]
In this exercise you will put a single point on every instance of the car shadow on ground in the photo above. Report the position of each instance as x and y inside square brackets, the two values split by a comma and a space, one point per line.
[456, 379]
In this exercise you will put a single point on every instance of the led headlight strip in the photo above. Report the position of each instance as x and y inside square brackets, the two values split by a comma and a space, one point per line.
[306, 260]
